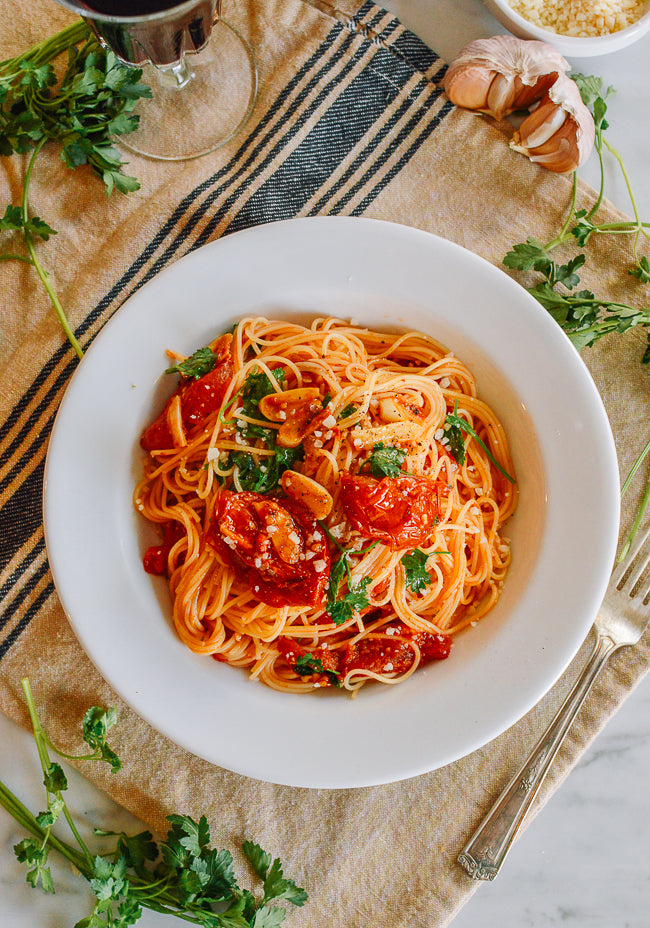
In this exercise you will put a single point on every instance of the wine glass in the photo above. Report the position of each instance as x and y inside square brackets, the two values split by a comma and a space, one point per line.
[201, 71]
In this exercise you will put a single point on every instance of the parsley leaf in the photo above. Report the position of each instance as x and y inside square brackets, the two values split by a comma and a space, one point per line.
[307, 664]
[256, 387]
[348, 411]
[55, 779]
[642, 270]
[457, 422]
[416, 576]
[530, 255]
[96, 725]
[386, 460]
[354, 601]
[259, 860]
[277, 887]
[456, 440]
[196, 366]
[264, 476]
[32, 852]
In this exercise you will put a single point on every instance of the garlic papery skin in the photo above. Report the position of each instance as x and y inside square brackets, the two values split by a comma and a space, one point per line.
[502, 74]
[559, 133]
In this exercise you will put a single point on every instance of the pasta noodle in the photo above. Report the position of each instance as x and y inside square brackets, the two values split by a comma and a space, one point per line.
[332, 500]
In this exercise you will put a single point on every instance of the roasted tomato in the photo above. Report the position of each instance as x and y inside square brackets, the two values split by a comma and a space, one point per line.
[198, 398]
[384, 655]
[394, 654]
[277, 546]
[155, 558]
[398, 511]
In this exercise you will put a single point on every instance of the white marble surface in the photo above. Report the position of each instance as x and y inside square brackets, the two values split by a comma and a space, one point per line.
[583, 863]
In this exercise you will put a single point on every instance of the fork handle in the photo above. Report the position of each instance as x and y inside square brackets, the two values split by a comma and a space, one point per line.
[483, 855]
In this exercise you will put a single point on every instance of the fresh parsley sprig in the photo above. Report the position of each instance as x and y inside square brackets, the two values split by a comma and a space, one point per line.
[92, 103]
[585, 317]
[342, 608]
[455, 425]
[261, 478]
[307, 664]
[416, 577]
[196, 366]
[181, 876]
[386, 460]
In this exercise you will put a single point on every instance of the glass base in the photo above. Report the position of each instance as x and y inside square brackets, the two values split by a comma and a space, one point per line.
[199, 105]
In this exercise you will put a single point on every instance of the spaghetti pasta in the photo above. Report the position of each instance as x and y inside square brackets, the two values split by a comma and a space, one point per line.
[331, 500]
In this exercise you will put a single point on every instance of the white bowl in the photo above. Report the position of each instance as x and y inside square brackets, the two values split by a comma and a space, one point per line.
[563, 533]
[570, 46]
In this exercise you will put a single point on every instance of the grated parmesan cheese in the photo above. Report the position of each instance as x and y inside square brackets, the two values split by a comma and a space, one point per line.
[580, 18]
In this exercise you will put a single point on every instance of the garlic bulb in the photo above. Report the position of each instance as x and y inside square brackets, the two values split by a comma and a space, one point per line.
[503, 74]
[559, 132]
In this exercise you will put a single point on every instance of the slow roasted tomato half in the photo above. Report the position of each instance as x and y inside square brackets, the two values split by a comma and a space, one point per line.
[398, 511]
[198, 398]
[277, 546]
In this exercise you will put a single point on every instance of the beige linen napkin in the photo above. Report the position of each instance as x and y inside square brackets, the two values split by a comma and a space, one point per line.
[350, 120]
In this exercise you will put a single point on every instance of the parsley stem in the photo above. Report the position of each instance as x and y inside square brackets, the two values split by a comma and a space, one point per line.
[331, 537]
[601, 189]
[24, 817]
[626, 178]
[41, 746]
[7, 256]
[48, 49]
[645, 499]
[42, 273]
[562, 234]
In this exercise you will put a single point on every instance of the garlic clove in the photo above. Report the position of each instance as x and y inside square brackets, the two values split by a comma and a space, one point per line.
[469, 87]
[559, 153]
[501, 95]
[559, 134]
[307, 491]
[539, 126]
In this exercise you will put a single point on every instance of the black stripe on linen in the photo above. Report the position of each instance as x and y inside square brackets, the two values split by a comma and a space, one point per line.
[342, 127]
[22, 594]
[10, 582]
[386, 153]
[20, 627]
[411, 48]
[21, 515]
[363, 156]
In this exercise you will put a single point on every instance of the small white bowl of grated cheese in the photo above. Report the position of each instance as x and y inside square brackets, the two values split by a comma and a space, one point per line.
[577, 28]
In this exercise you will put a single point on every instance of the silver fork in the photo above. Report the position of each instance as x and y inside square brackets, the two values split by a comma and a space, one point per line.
[623, 618]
